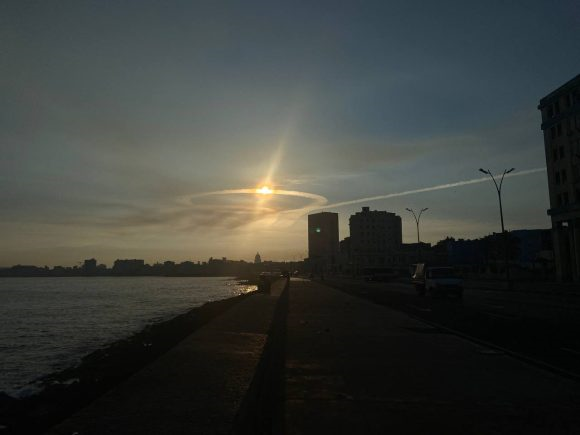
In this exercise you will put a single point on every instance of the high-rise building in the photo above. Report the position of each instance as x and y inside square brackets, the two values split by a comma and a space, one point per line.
[90, 266]
[323, 241]
[257, 258]
[128, 267]
[374, 238]
[561, 127]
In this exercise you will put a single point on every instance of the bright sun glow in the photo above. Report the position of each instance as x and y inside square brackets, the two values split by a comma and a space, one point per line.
[264, 190]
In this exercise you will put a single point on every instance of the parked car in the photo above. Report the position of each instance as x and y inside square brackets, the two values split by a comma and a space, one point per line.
[437, 281]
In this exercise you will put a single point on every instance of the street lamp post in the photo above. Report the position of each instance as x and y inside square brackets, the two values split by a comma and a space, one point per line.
[417, 220]
[505, 235]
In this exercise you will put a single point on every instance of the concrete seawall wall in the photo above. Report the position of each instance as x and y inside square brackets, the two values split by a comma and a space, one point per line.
[211, 382]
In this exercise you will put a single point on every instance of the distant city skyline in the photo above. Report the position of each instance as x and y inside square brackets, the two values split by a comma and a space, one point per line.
[144, 130]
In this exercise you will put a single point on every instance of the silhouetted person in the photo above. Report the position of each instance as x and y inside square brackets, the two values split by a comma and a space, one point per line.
[264, 284]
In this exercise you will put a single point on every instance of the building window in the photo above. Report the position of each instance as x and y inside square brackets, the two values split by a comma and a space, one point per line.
[559, 200]
[557, 107]
[565, 198]
[553, 133]
[557, 177]
[555, 154]
[561, 152]
[559, 129]
[550, 112]
[564, 176]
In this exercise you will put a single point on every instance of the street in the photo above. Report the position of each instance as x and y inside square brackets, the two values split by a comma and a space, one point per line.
[541, 328]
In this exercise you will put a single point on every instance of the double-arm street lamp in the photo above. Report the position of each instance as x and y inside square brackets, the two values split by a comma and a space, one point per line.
[505, 235]
[417, 220]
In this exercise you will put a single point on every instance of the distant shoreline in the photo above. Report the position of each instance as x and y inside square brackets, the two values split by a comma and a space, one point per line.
[69, 390]
[122, 276]
[246, 279]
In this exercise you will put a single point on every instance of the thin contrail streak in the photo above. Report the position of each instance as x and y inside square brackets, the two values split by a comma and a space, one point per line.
[429, 189]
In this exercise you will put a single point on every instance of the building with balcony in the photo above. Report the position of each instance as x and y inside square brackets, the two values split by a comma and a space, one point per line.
[561, 128]
[375, 237]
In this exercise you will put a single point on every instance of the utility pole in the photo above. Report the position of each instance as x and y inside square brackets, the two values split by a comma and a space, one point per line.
[505, 234]
[417, 220]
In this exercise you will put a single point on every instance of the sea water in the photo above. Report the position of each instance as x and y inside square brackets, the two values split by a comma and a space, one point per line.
[49, 324]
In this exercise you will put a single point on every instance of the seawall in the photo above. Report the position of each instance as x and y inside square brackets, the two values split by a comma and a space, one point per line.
[211, 382]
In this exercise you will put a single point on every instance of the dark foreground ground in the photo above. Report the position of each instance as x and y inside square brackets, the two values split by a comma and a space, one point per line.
[312, 359]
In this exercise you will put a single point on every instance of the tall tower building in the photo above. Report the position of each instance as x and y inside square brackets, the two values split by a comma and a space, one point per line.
[561, 127]
[257, 258]
[374, 237]
[323, 241]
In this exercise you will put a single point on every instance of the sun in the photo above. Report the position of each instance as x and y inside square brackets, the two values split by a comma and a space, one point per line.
[264, 190]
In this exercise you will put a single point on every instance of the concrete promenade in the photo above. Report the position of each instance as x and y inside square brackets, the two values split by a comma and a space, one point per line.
[335, 364]
[198, 387]
[356, 367]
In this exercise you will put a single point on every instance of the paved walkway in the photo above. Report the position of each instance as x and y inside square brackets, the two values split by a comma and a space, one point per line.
[196, 388]
[335, 364]
[353, 367]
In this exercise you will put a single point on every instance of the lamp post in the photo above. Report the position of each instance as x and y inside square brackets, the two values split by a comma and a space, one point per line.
[505, 235]
[417, 220]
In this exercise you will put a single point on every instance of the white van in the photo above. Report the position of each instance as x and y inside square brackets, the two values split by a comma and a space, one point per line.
[438, 281]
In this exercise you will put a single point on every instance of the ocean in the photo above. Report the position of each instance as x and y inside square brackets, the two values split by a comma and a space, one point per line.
[49, 324]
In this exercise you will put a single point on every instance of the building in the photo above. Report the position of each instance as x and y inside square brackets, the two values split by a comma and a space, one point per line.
[408, 254]
[323, 242]
[128, 267]
[561, 128]
[257, 258]
[90, 267]
[375, 236]
[534, 249]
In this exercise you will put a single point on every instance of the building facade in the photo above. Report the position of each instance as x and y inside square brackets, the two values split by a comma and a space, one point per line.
[90, 267]
[561, 128]
[375, 237]
[323, 242]
[128, 267]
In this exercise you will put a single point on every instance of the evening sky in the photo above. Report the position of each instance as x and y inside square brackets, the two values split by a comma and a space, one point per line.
[116, 116]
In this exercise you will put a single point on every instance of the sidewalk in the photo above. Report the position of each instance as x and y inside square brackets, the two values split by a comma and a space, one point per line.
[356, 367]
[197, 387]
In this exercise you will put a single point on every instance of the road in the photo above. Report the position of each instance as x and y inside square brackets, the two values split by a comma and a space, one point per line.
[541, 327]
[353, 366]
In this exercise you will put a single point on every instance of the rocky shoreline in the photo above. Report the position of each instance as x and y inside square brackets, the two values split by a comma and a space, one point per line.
[69, 390]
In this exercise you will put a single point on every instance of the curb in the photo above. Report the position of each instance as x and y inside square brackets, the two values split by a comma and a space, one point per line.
[259, 411]
[527, 359]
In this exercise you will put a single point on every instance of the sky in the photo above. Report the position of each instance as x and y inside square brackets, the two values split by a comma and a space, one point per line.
[140, 129]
